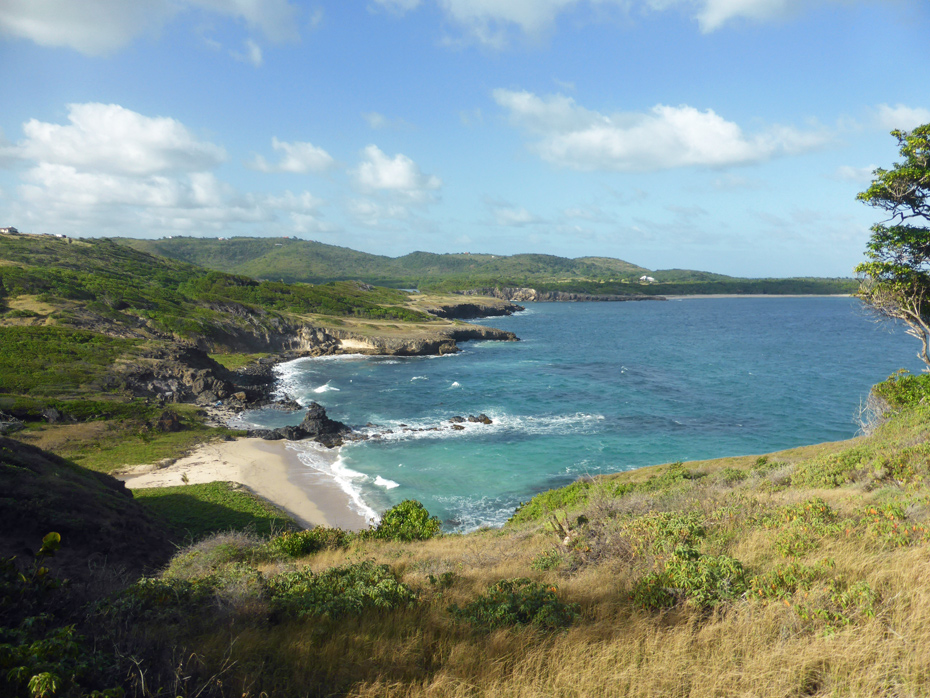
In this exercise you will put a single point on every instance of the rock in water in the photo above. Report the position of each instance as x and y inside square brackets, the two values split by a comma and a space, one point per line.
[315, 425]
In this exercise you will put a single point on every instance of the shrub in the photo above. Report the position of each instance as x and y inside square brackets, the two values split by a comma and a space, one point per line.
[520, 601]
[902, 389]
[701, 580]
[339, 591]
[783, 581]
[406, 522]
[300, 543]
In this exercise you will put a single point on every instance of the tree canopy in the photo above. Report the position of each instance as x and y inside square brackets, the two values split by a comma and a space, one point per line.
[895, 281]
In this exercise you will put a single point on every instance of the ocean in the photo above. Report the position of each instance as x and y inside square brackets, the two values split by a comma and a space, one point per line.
[592, 388]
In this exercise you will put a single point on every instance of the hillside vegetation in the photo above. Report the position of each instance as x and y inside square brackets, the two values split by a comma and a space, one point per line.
[95, 337]
[798, 573]
[314, 262]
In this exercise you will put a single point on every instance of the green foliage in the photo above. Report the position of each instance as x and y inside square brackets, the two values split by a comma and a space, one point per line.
[663, 532]
[301, 543]
[548, 560]
[571, 496]
[349, 590]
[199, 510]
[690, 576]
[59, 360]
[314, 262]
[888, 524]
[581, 492]
[407, 521]
[782, 581]
[895, 281]
[903, 389]
[40, 655]
[519, 601]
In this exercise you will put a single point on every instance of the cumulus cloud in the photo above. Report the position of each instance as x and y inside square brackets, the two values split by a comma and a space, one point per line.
[902, 117]
[398, 176]
[116, 171]
[99, 27]
[665, 137]
[297, 157]
[110, 138]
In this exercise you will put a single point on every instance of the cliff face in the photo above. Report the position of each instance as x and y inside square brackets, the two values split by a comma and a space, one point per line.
[532, 295]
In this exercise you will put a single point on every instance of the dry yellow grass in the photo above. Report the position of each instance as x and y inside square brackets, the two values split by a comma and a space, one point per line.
[854, 622]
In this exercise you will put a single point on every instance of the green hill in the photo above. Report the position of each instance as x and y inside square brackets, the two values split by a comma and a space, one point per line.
[294, 260]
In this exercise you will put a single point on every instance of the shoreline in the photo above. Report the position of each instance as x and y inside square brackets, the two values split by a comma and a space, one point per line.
[760, 295]
[268, 469]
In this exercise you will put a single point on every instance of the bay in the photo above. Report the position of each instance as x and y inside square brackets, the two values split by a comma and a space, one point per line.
[595, 388]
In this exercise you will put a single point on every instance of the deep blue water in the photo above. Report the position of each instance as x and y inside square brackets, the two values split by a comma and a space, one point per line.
[596, 388]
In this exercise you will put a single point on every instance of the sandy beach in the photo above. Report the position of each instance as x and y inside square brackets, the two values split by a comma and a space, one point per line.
[267, 468]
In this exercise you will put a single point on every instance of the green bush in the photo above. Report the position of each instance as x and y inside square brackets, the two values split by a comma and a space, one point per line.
[300, 543]
[350, 590]
[520, 601]
[902, 389]
[407, 521]
[690, 576]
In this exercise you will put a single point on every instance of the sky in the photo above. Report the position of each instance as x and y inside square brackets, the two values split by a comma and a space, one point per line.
[729, 136]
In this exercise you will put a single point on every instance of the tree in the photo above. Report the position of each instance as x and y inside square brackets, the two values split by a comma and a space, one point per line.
[895, 281]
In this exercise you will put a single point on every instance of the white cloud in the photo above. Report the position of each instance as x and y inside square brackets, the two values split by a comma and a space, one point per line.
[98, 27]
[398, 176]
[516, 217]
[902, 117]
[252, 54]
[111, 138]
[297, 157]
[665, 137]
[115, 171]
[858, 175]
[486, 20]
[490, 22]
[374, 214]
[378, 121]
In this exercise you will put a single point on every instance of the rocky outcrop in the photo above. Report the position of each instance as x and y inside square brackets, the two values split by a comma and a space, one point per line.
[316, 426]
[472, 310]
[182, 373]
[436, 344]
[532, 295]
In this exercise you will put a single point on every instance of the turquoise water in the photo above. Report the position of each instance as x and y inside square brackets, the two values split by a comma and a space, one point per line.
[596, 388]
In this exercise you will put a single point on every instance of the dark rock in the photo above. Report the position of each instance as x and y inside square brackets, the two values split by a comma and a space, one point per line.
[266, 434]
[457, 420]
[458, 427]
[9, 423]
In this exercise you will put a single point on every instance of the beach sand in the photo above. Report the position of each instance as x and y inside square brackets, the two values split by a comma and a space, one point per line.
[267, 468]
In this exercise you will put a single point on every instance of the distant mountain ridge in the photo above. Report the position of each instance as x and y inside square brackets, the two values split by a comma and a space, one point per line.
[292, 260]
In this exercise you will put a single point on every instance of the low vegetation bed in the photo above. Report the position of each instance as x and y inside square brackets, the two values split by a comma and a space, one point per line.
[798, 573]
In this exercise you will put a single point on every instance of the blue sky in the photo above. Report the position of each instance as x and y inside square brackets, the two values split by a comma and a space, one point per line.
[725, 135]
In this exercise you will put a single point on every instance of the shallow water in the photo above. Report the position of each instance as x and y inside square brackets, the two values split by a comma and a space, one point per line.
[595, 388]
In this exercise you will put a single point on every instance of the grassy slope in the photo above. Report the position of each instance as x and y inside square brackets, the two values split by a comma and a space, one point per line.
[797, 573]
[302, 260]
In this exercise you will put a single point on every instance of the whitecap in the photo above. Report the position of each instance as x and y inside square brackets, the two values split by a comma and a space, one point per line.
[325, 388]
[455, 384]
[385, 483]
[419, 378]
